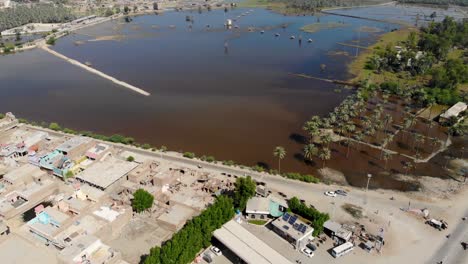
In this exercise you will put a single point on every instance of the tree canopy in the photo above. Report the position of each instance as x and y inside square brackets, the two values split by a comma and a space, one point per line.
[142, 200]
[245, 189]
[310, 213]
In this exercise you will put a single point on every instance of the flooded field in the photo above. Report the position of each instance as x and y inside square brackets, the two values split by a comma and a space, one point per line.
[231, 93]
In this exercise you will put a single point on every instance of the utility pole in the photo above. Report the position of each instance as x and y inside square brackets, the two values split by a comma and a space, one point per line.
[369, 176]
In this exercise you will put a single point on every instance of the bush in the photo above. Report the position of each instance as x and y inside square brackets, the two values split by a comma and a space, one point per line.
[55, 126]
[210, 159]
[189, 155]
[146, 146]
[51, 41]
[300, 177]
[142, 200]
[2, 116]
[163, 148]
[258, 168]
[130, 159]
[229, 162]
[69, 131]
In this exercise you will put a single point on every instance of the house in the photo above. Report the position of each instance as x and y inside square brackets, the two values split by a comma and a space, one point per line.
[75, 147]
[88, 249]
[293, 230]
[106, 174]
[97, 152]
[265, 207]
[26, 197]
[48, 223]
[23, 175]
[56, 162]
[455, 110]
[175, 217]
[337, 231]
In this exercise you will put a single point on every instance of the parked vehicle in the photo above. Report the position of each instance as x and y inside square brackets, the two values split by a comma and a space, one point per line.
[435, 223]
[311, 246]
[306, 251]
[330, 194]
[216, 250]
[342, 249]
[341, 192]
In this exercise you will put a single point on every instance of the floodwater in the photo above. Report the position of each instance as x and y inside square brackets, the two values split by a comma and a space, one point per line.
[230, 93]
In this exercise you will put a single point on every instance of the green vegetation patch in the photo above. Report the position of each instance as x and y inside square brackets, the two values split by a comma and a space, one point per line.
[142, 200]
[316, 27]
[257, 222]
[310, 213]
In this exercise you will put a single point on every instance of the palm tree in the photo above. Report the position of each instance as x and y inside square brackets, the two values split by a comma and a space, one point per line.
[407, 166]
[386, 156]
[324, 155]
[309, 151]
[434, 142]
[349, 129]
[280, 153]
[387, 120]
[419, 139]
[326, 139]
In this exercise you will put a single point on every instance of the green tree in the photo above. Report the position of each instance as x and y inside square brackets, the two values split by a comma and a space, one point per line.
[142, 200]
[309, 151]
[130, 158]
[245, 189]
[280, 153]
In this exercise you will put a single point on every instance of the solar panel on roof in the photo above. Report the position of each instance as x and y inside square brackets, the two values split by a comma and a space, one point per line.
[299, 227]
[292, 220]
[303, 229]
[286, 217]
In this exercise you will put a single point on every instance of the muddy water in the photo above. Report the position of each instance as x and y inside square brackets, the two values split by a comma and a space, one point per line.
[226, 93]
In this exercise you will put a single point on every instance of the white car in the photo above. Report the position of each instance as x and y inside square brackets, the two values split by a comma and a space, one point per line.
[216, 250]
[331, 194]
[307, 252]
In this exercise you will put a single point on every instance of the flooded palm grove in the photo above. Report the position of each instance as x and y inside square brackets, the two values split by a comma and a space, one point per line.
[230, 92]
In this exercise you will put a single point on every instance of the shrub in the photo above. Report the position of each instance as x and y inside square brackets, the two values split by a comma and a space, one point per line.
[210, 159]
[142, 200]
[55, 126]
[2, 116]
[130, 158]
[51, 41]
[189, 155]
[300, 177]
[146, 146]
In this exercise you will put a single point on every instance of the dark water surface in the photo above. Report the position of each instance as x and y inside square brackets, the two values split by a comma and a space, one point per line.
[235, 104]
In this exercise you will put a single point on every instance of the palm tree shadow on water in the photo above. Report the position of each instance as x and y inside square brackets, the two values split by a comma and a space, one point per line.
[300, 139]
[300, 157]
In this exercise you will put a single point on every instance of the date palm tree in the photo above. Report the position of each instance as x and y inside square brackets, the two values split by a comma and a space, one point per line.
[419, 139]
[280, 153]
[324, 155]
[407, 166]
[309, 151]
[326, 139]
[386, 157]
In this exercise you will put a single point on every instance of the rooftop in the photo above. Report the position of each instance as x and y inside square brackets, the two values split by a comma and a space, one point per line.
[17, 250]
[97, 150]
[454, 110]
[73, 143]
[293, 226]
[258, 205]
[106, 213]
[105, 173]
[177, 215]
[247, 246]
[22, 173]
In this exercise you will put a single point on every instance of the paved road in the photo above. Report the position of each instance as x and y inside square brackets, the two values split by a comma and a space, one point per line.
[451, 252]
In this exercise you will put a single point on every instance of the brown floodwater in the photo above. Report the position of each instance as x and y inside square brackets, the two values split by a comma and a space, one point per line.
[229, 93]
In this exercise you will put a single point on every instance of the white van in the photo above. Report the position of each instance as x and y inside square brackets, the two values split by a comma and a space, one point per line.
[342, 249]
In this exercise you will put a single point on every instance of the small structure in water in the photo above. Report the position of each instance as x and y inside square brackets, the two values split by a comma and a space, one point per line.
[277, 34]
[310, 40]
[292, 37]
[229, 23]
[263, 31]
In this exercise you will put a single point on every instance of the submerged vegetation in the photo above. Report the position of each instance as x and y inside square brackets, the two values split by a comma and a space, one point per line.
[315, 27]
